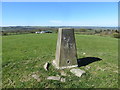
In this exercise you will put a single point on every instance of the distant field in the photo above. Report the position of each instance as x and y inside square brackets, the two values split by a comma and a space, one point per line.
[25, 55]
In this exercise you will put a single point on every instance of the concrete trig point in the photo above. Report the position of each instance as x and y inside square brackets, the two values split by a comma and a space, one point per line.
[66, 54]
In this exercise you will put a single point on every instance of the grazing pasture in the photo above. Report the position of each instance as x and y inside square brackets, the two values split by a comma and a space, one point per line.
[23, 57]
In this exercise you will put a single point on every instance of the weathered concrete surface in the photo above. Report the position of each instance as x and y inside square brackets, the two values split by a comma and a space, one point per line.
[46, 66]
[66, 54]
[53, 78]
[77, 72]
[58, 78]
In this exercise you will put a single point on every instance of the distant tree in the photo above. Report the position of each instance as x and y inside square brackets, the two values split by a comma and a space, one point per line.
[116, 35]
[116, 31]
[82, 30]
[4, 33]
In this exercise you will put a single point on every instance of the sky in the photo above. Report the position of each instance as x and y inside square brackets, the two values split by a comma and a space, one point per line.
[60, 0]
[59, 14]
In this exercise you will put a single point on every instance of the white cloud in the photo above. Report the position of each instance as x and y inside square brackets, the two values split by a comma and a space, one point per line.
[55, 21]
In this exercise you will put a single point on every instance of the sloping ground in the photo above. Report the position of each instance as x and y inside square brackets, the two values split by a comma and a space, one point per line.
[25, 55]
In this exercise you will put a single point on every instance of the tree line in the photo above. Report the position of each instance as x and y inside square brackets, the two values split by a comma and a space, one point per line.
[101, 32]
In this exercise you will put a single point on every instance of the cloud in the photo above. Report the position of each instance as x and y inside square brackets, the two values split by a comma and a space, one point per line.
[55, 21]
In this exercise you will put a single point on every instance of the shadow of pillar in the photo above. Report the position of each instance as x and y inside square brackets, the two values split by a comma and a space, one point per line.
[87, 60]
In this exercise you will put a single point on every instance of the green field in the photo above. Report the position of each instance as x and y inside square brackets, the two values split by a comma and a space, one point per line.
[25, 55]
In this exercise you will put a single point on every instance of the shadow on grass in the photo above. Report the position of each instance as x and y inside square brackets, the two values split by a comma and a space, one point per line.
[87, 60]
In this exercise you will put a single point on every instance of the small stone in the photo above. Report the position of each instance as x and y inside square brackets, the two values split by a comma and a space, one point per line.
[87, 67]
[84, 53]
[77, 72]
[53, 78]
[46, 66]
[63, 73]
[62, 79]
[36, 77]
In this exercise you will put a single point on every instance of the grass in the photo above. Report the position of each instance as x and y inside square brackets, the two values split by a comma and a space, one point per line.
[24, 56]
